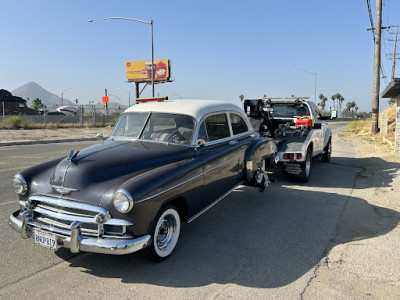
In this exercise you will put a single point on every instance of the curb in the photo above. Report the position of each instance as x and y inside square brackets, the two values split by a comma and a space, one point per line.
[46, 142]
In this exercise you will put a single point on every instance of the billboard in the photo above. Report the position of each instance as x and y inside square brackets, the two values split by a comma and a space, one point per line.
[140, 71]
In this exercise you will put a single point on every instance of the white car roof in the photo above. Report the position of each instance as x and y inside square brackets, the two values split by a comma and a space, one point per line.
[196, 108]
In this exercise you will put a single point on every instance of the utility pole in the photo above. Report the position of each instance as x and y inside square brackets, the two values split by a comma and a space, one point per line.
[377, 66]
[394, 53]
[106, 103]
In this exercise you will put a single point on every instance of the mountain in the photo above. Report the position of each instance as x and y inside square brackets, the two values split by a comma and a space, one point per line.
[32, 90]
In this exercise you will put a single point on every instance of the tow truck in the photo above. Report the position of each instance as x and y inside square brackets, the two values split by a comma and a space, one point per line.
[298, 129]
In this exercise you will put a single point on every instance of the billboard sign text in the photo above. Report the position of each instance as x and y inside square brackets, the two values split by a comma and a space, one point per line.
[141, 71]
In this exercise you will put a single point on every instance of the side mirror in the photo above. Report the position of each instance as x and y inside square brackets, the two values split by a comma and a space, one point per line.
[100, 136]
[201, 143]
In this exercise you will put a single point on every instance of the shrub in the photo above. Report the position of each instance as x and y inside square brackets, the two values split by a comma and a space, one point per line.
[15, 122]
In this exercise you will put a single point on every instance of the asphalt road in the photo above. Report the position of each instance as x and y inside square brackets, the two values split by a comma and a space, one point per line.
[251, 245]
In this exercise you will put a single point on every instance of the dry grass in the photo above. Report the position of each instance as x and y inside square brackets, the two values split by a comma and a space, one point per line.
[362, 130]
[359, 126]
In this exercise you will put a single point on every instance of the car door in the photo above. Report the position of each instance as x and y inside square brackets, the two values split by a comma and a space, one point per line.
[219, 156]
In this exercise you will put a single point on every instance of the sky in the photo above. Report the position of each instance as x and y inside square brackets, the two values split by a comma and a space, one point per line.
[218, 49]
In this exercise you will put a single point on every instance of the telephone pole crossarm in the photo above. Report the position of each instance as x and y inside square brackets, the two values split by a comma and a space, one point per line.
[394, 53]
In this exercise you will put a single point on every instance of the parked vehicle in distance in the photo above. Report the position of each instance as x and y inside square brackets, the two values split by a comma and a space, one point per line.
[54, 113]
[298, 129]
[67, 110]
[164, 162]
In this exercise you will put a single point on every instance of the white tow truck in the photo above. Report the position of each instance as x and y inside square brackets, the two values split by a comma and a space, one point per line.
[299, 130]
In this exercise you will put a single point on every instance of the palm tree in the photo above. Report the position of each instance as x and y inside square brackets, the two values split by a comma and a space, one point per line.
[323, 101]
[348, 106]
[333, 97]
[356, 109]
[241, 98]
[340, 99]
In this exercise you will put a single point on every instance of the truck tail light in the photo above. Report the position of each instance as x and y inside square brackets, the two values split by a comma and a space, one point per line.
[289, 156]
[292, 156]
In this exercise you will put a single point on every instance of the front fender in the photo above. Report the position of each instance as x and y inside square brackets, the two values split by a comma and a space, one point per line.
[154, 189]
[36, 174]
[328, 135]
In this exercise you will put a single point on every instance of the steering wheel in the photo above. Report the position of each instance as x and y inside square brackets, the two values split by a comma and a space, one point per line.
[175, 136]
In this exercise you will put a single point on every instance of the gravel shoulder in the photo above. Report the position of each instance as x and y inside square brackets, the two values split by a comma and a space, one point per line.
[365, 268]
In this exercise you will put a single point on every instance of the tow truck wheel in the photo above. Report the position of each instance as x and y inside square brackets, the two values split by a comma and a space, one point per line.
[326, 155]
[306, 167]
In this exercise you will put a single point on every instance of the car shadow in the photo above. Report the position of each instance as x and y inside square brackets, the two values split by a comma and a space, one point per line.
[263, 240]
[338, 166]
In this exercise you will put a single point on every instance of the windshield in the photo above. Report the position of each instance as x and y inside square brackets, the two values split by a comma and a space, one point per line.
[161, 127]
[289, 110]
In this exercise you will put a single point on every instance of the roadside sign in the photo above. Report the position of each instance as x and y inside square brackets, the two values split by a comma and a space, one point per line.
[105, 99]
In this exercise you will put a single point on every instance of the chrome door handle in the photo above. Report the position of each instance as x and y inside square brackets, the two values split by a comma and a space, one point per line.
[232, 142]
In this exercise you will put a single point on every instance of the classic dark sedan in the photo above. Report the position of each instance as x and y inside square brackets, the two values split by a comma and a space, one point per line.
[165, 162]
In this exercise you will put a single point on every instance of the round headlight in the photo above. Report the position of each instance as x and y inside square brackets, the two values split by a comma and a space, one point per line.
[123, 201]
[20, 185]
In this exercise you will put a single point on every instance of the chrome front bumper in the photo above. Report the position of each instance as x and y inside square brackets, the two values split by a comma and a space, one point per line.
[76, 242]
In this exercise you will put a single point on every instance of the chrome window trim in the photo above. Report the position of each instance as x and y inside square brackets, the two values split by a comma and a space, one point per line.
[243, 118]
[227, 112]
[141, 130]
[190, 144]
[228, 117]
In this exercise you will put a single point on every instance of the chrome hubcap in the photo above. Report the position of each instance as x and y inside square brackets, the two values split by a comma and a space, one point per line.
[166, 232]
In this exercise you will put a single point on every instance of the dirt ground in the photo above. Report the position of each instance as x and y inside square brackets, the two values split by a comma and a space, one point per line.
[22, 135]
[365, 268]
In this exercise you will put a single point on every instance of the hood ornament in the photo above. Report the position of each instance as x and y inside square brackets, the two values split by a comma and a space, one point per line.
[63, 190]
[72, 155]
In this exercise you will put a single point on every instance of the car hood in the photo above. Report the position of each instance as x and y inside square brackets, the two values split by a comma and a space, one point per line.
[102, 168]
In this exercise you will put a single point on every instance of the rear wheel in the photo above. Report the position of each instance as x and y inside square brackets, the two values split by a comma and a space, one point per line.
[165, 233]
[326, 154]
[306, 167]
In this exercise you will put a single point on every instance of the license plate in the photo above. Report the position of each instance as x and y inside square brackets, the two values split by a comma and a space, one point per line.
[45, 239]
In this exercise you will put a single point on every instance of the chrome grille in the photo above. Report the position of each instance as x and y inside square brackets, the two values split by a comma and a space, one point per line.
[56, 215]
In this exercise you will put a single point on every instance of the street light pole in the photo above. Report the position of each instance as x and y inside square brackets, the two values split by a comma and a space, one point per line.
[152, 42]
[152, 59]
[315, 82]
[62, 96]
[129, 96]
